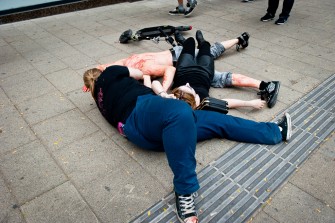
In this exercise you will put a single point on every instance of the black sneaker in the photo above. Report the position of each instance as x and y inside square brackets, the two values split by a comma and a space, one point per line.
[126, 36]
[243, 41]
[285, 127]
[186, 208]
[191, 5]
[200, 38]
[247, 0]
[267, 17]
[270, 93]
[281, 21]
[177, 11]
[180, 39]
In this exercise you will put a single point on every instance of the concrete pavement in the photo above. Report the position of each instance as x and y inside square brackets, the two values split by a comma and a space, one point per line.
[60, 161]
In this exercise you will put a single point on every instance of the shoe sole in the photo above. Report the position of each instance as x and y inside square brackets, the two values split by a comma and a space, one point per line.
[273, 100]
[289, 127]
[190, 12]
[267, 20]
[176, 14]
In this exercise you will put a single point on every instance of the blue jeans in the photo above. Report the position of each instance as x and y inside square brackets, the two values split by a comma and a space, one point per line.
[216, 125]
[168, 125]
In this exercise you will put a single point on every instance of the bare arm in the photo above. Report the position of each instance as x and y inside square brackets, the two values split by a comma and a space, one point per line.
[135, 73]
[168, 77]
[236, 103]
[159, 90]
[147, 80]
[102, 67]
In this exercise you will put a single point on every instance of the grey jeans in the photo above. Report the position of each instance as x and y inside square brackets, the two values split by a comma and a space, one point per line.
[220, 79]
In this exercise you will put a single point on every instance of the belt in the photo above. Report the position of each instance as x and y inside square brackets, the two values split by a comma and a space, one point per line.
[174, 57]
[120, 128]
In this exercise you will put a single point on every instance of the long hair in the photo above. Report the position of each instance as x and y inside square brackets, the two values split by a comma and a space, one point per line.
[89, 77]
[187, 97]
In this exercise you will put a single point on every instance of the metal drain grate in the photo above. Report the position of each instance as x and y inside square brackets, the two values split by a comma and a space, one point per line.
[233, 187]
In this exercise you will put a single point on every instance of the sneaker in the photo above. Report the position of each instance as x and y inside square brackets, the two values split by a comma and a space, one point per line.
[270, 93]
[191, 8]
[126, 36]
[285, 127]
[247, 0]
[180, 39]
[186, 208]
[200, 38]
[177, 11]
[267, 17]
[243, 41]
[281, 21]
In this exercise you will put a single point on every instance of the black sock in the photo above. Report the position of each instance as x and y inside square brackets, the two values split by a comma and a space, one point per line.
[263, 85]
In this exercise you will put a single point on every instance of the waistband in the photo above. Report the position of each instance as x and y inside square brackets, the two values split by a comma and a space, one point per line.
[174, 57]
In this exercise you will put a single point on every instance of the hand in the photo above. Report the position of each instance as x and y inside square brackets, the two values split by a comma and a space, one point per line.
[85, 89]
[163, 94]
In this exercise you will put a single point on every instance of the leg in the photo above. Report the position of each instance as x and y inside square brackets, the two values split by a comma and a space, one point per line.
[228, 79]
[186, 57]
[287, 6]
[239, 80]
[272, 7]
[160, 124]
[216, 125]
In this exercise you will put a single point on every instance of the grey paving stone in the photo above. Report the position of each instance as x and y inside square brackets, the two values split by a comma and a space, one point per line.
[51, 42]
[30, 171]
[15, 66]
[295, 205]
[14, 131]
[123, 193]
[95, 116]
[95, 49]
[93, 157]
[9, 209]
[262, 217]
[49, 65]
[82, 100]
[317, 171]
[63, 129]
[7, 55]
[155, 163]
[65, 80]
[26, 85]
[40, 108]
[79, 61]
[62, 204]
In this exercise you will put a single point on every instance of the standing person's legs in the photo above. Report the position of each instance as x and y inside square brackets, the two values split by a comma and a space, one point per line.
[160, 124]
[287, 7]
[216, 125]
[273, 6]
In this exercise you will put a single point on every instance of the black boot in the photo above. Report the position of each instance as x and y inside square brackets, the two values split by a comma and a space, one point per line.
[200, 38]
[180, 39]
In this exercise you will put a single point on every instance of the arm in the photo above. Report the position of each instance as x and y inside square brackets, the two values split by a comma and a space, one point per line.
[159, 90]
[135, 73]
[236, 103]
[168, 77]
[160, 70]
[147, 80]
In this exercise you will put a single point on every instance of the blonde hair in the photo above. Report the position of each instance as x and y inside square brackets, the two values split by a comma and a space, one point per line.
[187, 97]
[89, 77]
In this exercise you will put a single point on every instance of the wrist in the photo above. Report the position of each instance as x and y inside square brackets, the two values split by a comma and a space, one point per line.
[162, 93]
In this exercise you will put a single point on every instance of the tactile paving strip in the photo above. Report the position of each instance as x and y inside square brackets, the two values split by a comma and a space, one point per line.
[233, 187]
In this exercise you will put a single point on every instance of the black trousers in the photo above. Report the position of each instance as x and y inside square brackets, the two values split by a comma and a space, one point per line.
[287, 6]
[203, 61]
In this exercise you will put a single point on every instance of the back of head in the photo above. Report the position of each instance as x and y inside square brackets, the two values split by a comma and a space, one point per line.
[89, 77]
[187, 97]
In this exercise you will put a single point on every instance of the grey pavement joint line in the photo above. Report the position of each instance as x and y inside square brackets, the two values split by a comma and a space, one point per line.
[239, 182]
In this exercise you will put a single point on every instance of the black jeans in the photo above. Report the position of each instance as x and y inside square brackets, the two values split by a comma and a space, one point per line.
[203, 61]
[287, 6]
